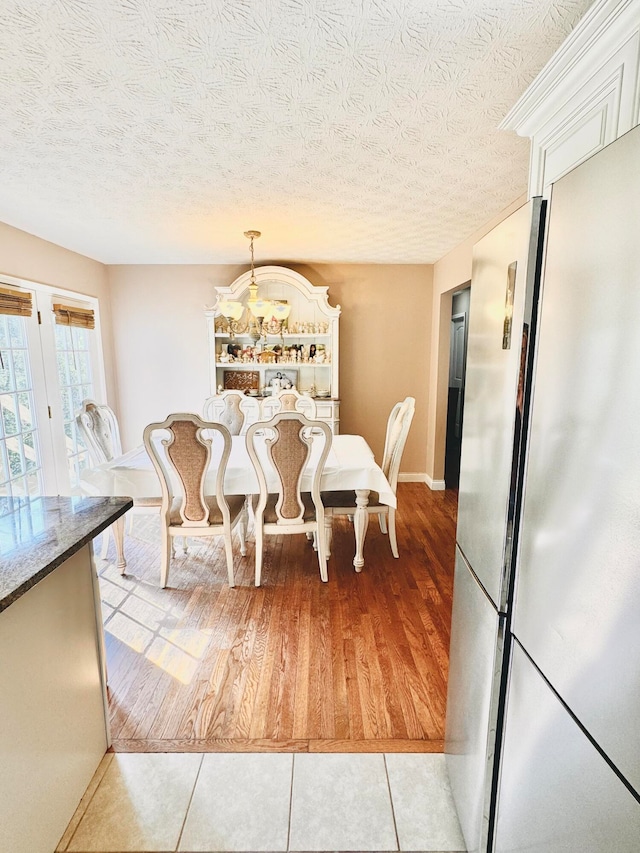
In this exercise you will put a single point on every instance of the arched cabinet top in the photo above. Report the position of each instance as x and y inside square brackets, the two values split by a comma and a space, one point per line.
[281, 276]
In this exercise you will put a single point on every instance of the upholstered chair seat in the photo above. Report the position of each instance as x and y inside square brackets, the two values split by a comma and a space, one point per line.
[348, 498]
[308, 513]
[214, 514]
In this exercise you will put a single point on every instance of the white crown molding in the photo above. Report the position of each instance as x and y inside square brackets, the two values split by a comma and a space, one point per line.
[602, 31]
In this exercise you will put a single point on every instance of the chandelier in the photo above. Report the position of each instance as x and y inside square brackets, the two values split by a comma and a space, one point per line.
[262, 317]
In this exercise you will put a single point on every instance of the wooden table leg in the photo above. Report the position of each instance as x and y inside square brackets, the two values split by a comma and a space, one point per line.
[360, 524]
[118, 530]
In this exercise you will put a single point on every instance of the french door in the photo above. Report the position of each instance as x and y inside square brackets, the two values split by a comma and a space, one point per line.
[26, 453]
[46, 370]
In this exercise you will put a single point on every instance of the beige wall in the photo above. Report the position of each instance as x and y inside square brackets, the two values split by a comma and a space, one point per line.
[30, 258]
[449, 274]
[160, 338]
[384, 347]
[161, 343]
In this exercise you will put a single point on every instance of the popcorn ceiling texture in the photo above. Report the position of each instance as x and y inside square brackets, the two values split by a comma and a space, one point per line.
[157, 131]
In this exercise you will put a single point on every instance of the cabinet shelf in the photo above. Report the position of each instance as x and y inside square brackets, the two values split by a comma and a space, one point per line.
[286, 336]
[262, 365]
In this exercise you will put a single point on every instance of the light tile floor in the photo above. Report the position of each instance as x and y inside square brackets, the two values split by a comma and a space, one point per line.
[194, 803]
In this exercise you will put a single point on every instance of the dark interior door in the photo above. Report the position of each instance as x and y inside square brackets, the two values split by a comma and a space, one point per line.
[457, 361]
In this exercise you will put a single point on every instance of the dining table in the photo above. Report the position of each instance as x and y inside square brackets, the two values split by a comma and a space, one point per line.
[350, 466]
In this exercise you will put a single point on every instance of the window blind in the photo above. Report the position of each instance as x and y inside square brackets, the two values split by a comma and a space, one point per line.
[15, 302]
[71, 315]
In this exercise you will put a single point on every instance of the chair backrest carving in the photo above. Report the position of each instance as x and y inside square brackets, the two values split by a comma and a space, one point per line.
[183, 459]
[99, 427]
[289, 400]
[289, 443]
[233, 409]
[397, 431]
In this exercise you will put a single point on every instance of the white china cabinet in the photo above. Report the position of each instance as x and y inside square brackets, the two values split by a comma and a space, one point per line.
[303, 353]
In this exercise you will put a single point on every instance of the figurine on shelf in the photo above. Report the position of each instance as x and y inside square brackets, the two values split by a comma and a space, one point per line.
[312, 352]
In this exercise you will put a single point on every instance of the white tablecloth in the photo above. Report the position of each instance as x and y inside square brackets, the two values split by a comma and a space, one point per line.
[350, 465]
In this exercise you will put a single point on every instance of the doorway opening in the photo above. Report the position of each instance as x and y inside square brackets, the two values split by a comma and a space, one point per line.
[455, 403]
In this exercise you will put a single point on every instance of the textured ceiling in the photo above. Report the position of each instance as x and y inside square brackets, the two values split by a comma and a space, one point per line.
[157, 131]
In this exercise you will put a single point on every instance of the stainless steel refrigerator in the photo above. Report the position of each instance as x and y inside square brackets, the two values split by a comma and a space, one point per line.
[543, 715]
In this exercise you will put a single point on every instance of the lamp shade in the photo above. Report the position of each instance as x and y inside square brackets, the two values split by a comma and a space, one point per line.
[280, 311]
[231, 310]
[261, 308]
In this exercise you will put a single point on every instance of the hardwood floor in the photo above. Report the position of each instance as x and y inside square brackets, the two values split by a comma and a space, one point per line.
[357, 664]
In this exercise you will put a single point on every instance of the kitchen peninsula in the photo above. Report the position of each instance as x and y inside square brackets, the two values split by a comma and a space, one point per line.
[53, 720]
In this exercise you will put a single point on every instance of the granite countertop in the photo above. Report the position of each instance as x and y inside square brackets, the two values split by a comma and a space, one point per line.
[39, 534]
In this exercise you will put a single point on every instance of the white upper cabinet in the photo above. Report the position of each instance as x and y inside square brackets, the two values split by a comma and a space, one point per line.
[587, 95]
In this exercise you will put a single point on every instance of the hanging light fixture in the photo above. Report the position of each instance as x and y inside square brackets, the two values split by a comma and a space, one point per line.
[260, 310]
[263, 316]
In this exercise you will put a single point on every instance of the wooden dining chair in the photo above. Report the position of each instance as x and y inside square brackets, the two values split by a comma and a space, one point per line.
[181, 461]
[98, 427]
[287, 440]
[235, 409]
[344, 502]
[288, 400]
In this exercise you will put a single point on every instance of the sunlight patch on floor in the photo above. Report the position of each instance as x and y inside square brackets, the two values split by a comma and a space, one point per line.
[137, 614]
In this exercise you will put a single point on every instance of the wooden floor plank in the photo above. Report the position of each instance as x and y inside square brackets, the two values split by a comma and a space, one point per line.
[357, 664]
[301, 701]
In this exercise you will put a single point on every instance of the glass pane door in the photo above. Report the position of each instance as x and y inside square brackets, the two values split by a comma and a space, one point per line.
[21, 472]
[74, 372]
[75, 381]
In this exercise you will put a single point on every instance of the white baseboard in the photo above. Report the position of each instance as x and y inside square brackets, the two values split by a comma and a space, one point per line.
[435, 485]
[416, 477]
